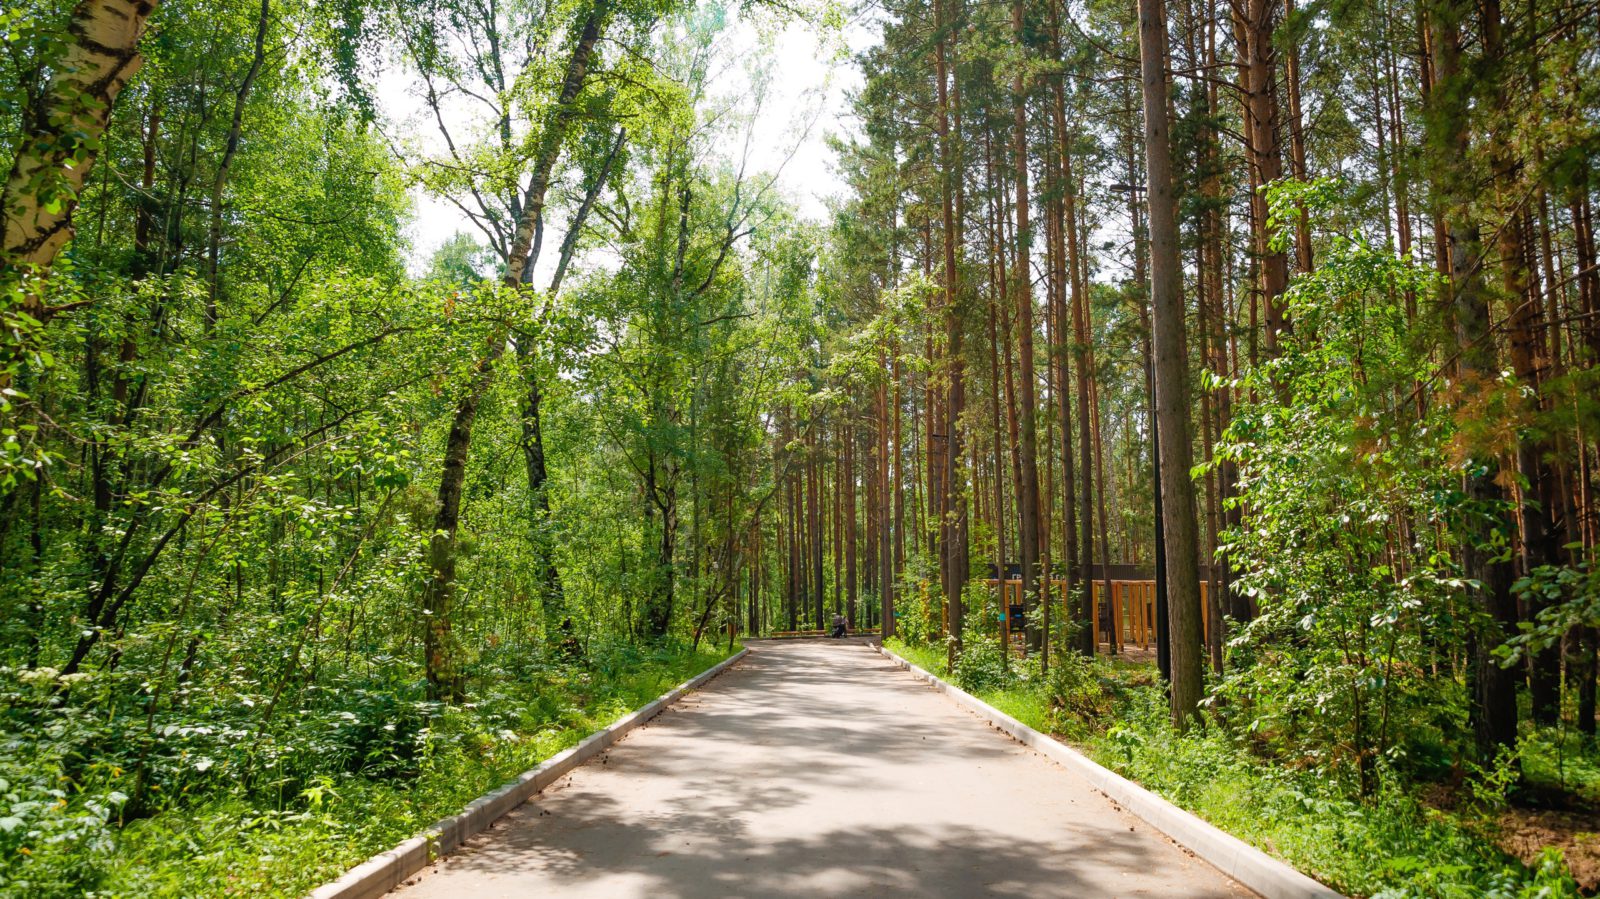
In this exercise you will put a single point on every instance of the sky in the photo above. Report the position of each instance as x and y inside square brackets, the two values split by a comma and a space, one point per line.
[806, 102]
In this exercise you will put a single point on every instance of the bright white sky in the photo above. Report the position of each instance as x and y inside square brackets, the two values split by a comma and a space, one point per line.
[806, 102]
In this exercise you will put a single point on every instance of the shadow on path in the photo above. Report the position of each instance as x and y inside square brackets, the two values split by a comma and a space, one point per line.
[819, 769]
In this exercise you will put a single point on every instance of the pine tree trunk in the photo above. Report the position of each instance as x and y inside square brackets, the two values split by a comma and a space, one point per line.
[886, 585]
[1304, 261]
[1540, 542]
[852, 441]
[1494, 702]
[1258, 73]
[1022, 292]
[815, 525]
[952, 577]
[1066, 282]
[1171, 374]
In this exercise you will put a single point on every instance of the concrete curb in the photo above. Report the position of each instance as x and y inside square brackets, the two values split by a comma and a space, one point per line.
[1228, 854]
[387, 870]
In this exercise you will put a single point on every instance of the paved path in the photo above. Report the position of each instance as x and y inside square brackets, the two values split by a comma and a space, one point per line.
[819, 769]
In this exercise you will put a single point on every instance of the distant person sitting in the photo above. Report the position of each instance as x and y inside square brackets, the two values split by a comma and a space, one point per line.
[838, 626]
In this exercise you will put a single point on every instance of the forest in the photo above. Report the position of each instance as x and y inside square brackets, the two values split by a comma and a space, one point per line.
[1292, 311]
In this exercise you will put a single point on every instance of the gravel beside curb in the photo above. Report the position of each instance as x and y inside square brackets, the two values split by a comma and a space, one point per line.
[387, 870]
[1230, 855]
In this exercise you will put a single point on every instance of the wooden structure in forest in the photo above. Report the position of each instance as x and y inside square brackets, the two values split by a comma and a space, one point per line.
[823, 632]
[1128, 616]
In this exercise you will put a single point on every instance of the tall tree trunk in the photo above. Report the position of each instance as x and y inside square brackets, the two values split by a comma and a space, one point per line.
[1259, 75]
[1540, 541]
[1075, 507]
[1494, 699]
[757, 563]
[838, 519]
[791, 594]
[1215, 241]
[952, 497]
[439, 592]
[886, 585]
[1171, 373]
[1067, 260]
[1304, 261]
[1022, 292]
[995, 295]
[817, 529]
[553, 597]
[1105, 522]
[852, 440]
[229, 150]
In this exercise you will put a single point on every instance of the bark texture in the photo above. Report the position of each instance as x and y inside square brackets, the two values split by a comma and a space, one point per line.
[1171, 374]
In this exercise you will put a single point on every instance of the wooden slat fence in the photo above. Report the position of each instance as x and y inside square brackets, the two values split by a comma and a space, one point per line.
[1132, 609]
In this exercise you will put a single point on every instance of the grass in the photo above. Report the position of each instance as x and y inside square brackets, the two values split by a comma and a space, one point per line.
[231, 845]
[1390, 845]
[924, 656]
[1028, 705]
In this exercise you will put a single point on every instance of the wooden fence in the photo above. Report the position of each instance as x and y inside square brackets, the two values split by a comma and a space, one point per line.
[1132, 613]
[823, 632]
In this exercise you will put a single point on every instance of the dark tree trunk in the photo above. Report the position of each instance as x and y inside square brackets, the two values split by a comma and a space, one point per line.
[1493, 688]
[1258, 74]
[230, 148]
[1022, 292]
[850, 523]
[1171, 374]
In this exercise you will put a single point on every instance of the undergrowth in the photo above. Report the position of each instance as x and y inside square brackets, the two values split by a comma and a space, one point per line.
[1391, 844]
[274, 811]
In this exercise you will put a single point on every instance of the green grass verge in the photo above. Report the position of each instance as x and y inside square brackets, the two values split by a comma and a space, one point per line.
[1391, 845]
[232, 846]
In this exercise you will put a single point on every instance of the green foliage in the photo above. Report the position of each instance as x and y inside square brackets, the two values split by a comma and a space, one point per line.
[276, 809]
[1567, 598]
[1077, 688]
[980, 666]
[1336, 671]
[220, 460]
[55, 833]
[1388, 844]
[929, 658]
[918, 605]
[217, 494]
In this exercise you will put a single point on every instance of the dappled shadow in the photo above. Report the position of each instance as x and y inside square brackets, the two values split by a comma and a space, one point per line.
[818, 769]
[707, 854]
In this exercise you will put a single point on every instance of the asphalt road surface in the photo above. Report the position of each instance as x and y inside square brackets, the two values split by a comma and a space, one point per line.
[818, 768]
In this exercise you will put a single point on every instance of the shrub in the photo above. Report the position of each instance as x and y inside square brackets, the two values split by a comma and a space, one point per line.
[980, 666]
[1078, 698]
